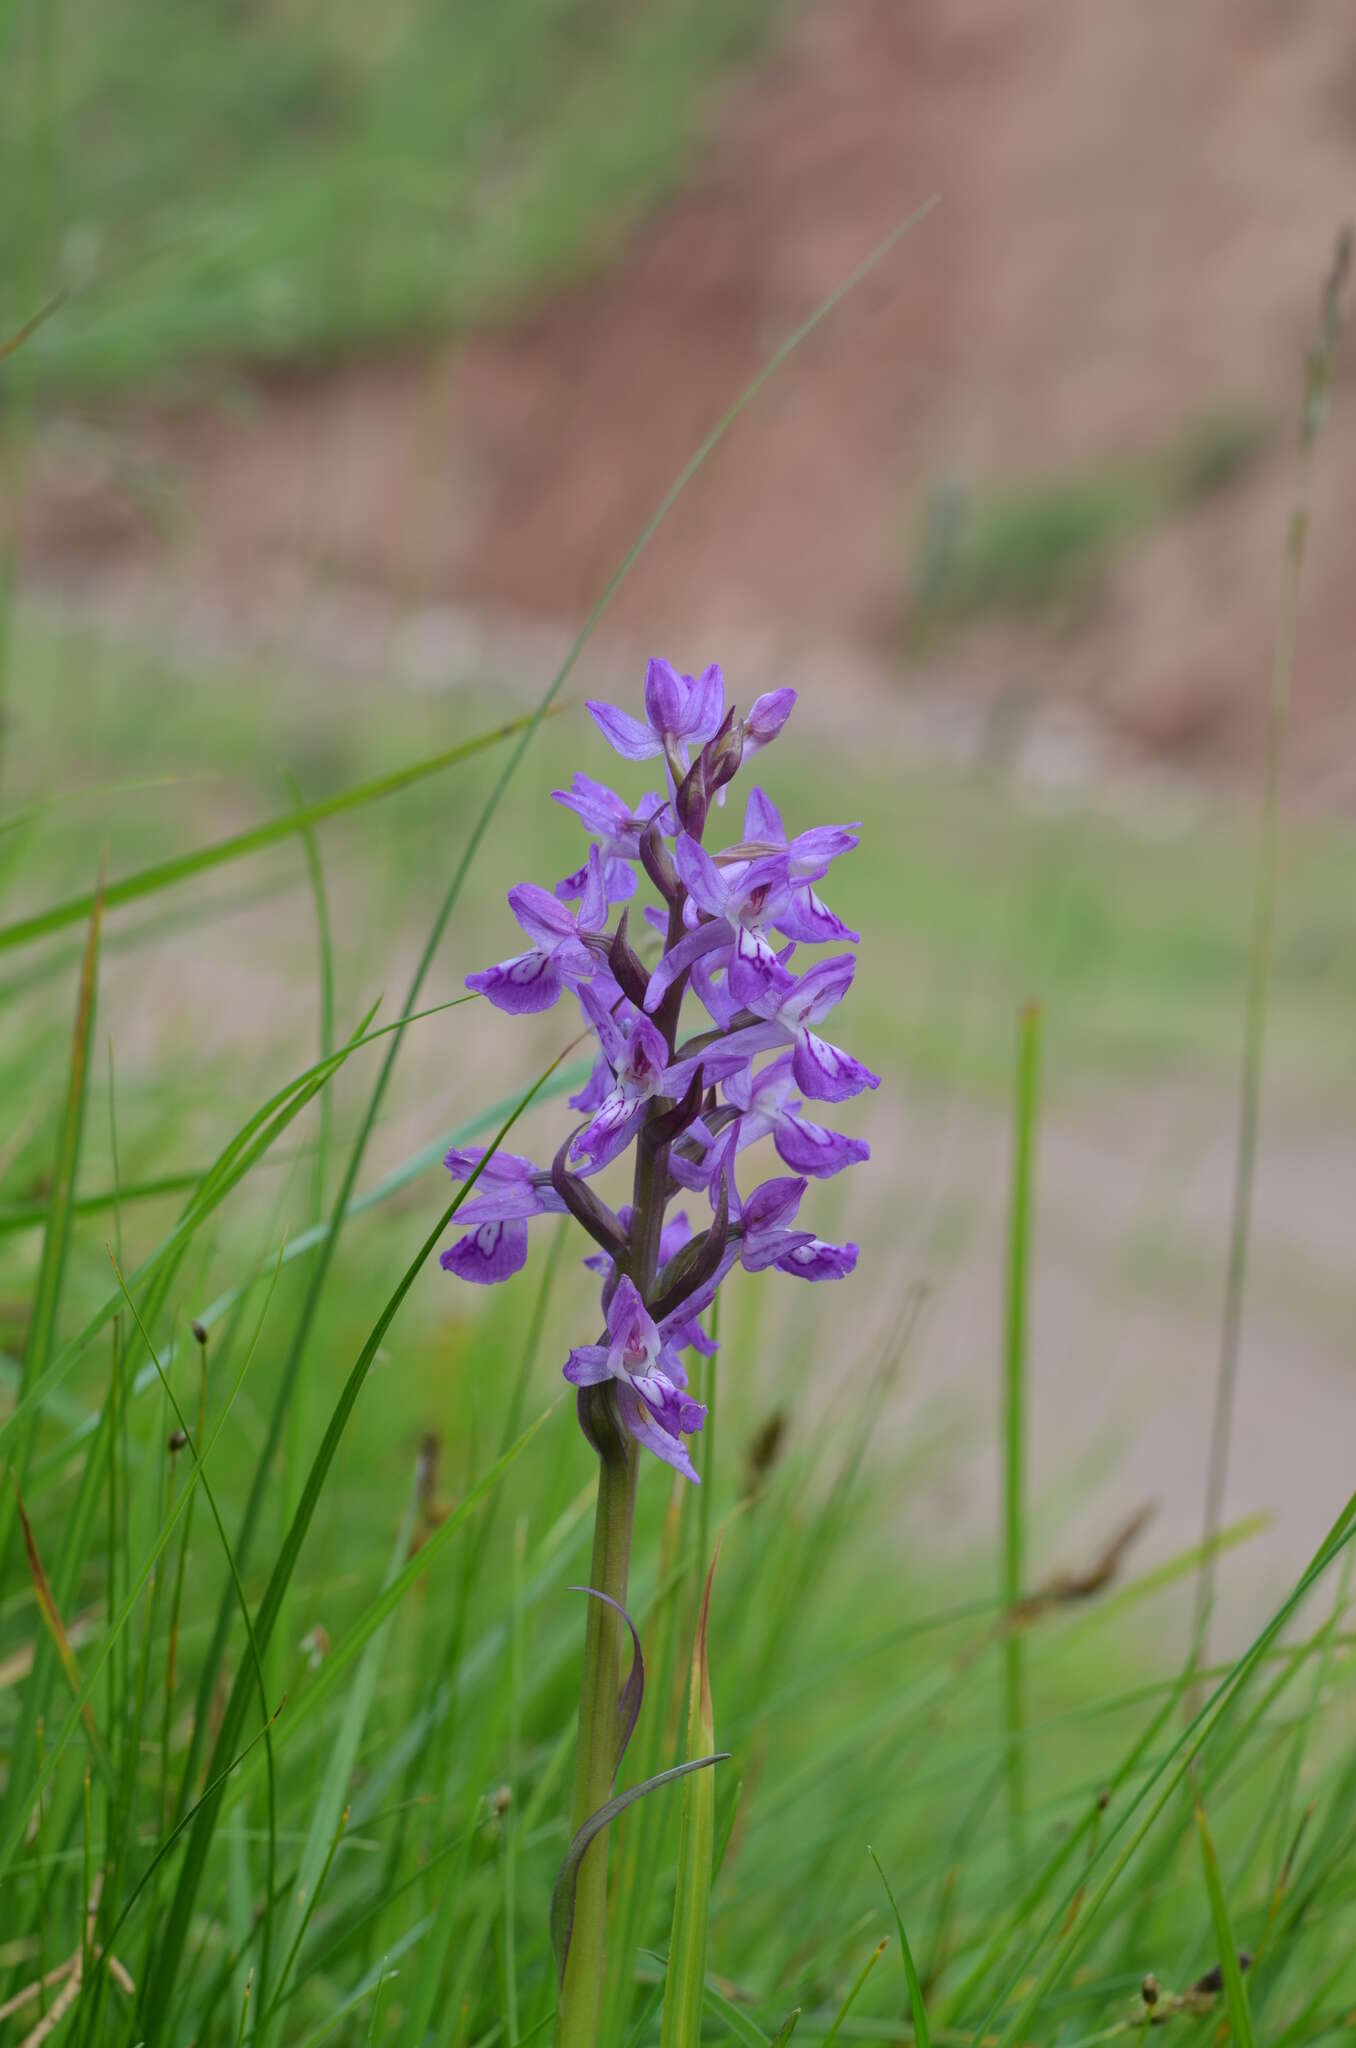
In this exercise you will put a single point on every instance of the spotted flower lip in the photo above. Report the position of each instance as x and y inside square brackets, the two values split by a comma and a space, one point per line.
[687, 1103]
[559, 957]
[788, 1008]
[509, 1192]
[651, 1383]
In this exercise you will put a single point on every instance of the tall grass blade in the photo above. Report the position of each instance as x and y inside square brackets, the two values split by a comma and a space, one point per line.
[256, 1657]
[298, 1411]
[38, 1350]
[159, 1986]
[1235, 1990]
[57, 1234]
[323, 1834]
[846, 2007]
[1014, 1415]
[1159, 1787]
[685, 1978]
[56, 1627]
[249, 1145]
[1317, 385]
[922, 2033]
[184, 867]
[36, 1791]
[735, 2021]
[14, 342]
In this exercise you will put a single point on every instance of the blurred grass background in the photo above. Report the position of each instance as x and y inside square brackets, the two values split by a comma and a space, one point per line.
[288, 182]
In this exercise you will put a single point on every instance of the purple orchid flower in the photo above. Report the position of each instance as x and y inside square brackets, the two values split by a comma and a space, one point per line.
[648, 1374]
[789, 1007]
[509, 1191]
[679, 710]
[740, 902]
[683, 1328]
[769, 1109]
[618, 829]
[763, 1234]
[767, 1238]
[727, 923]
[808, 855]
[769, 714]
[560, 956]
[642, 1069]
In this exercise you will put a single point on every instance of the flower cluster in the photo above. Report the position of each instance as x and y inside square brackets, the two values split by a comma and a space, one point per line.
[728, 925]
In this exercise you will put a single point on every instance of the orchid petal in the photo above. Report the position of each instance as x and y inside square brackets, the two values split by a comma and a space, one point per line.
[670, 1448]
[705, 706]
[488, 1254]
[587, 1364]
[665, 699]
[828, 1074]
[769, 714]
[690, 948]
[810, 1148]
[523, 986]
[763, 821]
[700, 876]
[819, 1261]
[624, 734]
[819, 989]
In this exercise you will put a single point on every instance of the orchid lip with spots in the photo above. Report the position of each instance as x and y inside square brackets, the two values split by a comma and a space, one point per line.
[704, 1047]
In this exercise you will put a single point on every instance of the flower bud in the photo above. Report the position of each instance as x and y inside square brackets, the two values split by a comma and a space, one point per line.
[658, 861]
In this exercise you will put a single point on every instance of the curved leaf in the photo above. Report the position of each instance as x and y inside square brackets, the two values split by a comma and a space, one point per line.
[633, 1689]
[562, 1898]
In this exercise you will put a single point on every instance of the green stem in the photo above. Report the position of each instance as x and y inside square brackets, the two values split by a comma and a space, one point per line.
[581, 1987]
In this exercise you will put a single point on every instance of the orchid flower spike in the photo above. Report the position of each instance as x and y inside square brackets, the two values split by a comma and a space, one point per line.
[686, 1108]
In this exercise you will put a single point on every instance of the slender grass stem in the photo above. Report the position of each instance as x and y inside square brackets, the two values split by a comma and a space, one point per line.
[1014, 1414]
[1317, 383]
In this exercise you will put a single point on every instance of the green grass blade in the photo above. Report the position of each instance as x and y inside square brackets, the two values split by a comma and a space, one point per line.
[922, 2033]
[685, 1978]
[867, 1967]
[56, 1242]
[299, 1407]
[256, 1659]
[1014, 1415]
[38, 1351]
[184, 867]
[246, 1148]
[360, 1635]
[1235, 1990]
[28, 1215]
[1160, 1786]
[327, 1814]
[13, 1835]
[736, 2023]
[1317, 384]
[159, 1986]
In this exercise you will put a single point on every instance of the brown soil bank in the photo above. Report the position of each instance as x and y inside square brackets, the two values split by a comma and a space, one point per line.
[1138, 205]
